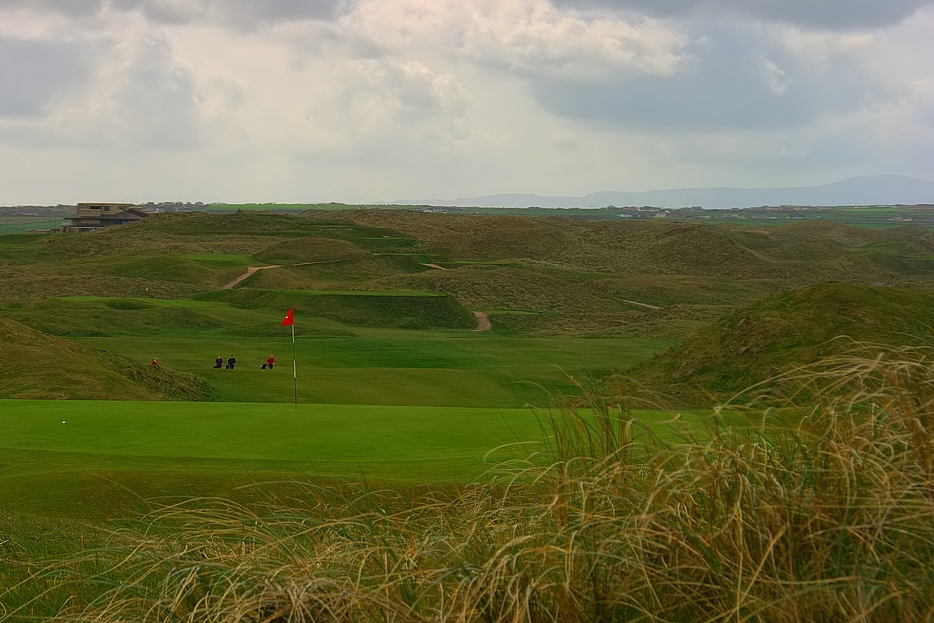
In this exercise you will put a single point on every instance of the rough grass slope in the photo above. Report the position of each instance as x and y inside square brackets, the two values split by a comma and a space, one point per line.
[544, 275]
[34, 365]
[117, 316]
[768, 338]
[406, 310]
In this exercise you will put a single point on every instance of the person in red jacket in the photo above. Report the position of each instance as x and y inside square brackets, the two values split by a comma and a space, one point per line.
[269, 363]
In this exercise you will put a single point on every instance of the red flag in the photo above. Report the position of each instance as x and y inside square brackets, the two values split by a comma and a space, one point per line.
[289, 318]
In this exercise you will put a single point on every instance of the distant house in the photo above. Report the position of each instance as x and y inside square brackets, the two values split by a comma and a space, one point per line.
[90, 216]
[444, 209]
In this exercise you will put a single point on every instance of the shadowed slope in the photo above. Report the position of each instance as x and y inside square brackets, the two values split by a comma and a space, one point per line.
[39, 366]
[758, 342]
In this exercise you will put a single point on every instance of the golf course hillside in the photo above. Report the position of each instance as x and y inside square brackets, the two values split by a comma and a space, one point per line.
[779, 334]
[394, 415]
[35, 365]
[406, 309]
[656, 247]
[388, 303]
[533, 276]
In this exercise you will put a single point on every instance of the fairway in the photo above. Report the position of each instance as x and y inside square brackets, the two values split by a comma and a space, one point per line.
[110, 454]
[383, 406]
[404, 443]
[393, 367]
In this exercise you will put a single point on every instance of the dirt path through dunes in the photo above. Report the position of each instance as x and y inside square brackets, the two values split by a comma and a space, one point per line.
[435, 266]
[253, 269]
[249, 271]
[483, 321]
[641, 304]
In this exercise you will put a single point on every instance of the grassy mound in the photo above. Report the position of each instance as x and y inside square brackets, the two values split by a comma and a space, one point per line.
[203, 225]
[310, 249]
[785, 332]
[198, 224]
[404, 310]
[545, 275]
[158, 267]
[99, 317]
[804, 252]
[39, 366]
[342, 273]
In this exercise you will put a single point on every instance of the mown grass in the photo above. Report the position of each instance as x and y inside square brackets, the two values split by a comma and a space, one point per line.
[402, 309]
[387, 367]
[218, 259]
[822, 513]
[11, 225]
[402, 444]
[337, 363]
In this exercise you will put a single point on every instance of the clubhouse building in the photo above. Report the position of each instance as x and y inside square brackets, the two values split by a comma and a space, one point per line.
[90, 216]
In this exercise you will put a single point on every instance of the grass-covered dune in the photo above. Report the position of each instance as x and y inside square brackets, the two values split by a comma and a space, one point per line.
[772, 337]
[40, 366]
[534, 275]
[309, 249]
[88, 316]
[411, 310]
[806, 252]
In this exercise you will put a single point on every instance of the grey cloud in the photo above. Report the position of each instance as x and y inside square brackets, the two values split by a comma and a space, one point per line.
[157, 105]
[735, 82]
[150, 105]
[809, 14]
[34, 73]
[239, 13]
[75, 8]
[279, 10]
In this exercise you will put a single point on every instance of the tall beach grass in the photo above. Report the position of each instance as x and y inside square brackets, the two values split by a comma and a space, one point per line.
[819, 508]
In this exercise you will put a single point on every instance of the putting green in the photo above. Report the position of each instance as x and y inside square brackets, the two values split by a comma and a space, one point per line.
[111, 457]
[393, 367]
[408, 443]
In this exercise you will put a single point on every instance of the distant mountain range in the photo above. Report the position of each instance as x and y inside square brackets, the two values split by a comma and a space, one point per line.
[863, 190]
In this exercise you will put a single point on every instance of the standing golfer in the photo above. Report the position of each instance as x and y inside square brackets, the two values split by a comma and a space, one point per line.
[219, 362]
[155, 362]
[269, 363]
[231, 362]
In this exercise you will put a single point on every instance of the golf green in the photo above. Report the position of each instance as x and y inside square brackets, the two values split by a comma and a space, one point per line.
[407, 443]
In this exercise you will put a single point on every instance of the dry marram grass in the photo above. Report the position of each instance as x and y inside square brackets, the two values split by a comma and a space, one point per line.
[820, 511]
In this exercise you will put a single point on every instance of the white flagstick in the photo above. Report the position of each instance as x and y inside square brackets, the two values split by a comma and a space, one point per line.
[294, 367]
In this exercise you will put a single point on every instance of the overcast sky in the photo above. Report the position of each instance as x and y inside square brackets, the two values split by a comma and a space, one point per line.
[377, 100]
